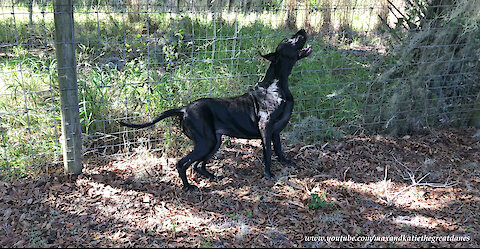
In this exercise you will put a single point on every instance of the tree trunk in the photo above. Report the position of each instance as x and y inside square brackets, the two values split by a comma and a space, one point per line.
[231, 4]
[30, 12]
[291, 14]
[327, 16]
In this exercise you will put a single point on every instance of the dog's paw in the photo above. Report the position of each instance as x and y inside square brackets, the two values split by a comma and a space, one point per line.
[190, 188]
[287, 162]
[205, 173]
[269, 176]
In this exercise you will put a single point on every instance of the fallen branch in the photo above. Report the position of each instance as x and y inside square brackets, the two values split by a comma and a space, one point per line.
[345, 174]
[417, 183]
[300, 151]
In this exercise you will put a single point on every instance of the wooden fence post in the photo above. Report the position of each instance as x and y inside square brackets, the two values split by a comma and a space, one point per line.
[67, 79]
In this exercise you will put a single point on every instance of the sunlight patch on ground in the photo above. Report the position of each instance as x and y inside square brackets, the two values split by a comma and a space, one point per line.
[144, 163]
[112, 205]
[417, 221]
[412, 199]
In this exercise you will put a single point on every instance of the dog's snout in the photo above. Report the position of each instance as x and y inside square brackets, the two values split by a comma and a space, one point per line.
[303, 33]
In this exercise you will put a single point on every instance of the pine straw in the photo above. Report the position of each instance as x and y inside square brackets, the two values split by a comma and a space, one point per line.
[138, 201]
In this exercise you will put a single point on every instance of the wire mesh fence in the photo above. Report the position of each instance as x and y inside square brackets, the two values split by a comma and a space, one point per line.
[377, 66]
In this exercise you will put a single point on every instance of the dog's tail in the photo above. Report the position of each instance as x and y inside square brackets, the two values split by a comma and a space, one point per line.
[165, 114]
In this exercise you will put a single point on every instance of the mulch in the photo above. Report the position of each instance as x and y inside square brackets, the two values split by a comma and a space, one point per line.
[362, 191]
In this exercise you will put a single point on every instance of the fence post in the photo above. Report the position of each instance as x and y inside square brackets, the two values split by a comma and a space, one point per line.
[67, 80]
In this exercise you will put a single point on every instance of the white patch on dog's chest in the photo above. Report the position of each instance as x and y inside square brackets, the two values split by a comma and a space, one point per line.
[273, 97]
[269, 100]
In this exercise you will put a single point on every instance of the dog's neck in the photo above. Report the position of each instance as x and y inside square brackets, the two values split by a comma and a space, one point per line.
[273, 74]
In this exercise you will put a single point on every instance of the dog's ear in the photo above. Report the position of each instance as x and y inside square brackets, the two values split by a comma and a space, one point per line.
[272, 57]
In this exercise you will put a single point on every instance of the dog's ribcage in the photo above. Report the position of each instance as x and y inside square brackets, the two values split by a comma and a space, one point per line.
[268, 99]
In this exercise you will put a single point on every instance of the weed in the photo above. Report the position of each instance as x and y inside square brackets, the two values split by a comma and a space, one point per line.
[318, 201]
[206, 244]
[233, 216]
[172, 227]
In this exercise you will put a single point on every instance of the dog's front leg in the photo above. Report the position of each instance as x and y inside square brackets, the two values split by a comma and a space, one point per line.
[277, 146]
[266, 134]
[277, 128]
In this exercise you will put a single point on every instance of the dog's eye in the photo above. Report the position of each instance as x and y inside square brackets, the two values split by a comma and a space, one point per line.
[293, 40]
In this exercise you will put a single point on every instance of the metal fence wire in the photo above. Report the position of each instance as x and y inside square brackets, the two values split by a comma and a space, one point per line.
[378, 66]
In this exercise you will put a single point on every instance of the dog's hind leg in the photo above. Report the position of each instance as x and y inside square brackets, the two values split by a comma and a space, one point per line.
[196, 166]
[203, 170]
[202, 151]
[182, 167]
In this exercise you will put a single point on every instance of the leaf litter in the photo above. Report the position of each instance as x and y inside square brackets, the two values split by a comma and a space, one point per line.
[340, 188]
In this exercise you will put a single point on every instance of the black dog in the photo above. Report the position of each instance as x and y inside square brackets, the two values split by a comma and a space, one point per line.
[262, 113]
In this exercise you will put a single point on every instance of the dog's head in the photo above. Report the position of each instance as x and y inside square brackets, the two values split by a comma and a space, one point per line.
[291, 49]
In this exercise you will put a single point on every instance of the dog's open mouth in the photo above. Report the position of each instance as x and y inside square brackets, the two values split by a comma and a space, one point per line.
[305, 52]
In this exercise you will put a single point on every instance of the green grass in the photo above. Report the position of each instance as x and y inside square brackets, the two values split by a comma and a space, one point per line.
[169, 72]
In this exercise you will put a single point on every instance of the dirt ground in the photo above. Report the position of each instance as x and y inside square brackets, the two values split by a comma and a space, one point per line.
[362, 191]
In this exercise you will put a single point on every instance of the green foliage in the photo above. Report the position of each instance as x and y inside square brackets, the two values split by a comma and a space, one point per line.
[206, 244]
[29, 120]
[318, 201]
[233, 216]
